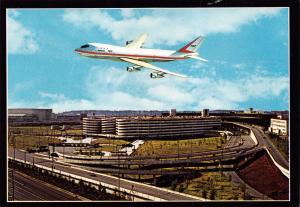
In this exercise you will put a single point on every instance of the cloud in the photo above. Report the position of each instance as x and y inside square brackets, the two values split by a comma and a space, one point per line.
[265, 87]
[58, 102]
[114, 89]
[127, 13]
[52, 96]
[164, 92]
[20, 39]
[238, 66]
[167, 26]
[21, 87]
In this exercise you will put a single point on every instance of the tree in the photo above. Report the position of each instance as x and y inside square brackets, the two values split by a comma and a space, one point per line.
[173, 184]
[212, 195]
[181, 188]
[204, 193]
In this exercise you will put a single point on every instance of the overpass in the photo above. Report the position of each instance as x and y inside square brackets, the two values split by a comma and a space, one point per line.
[263, 142]
[150, 192]
[136, 190]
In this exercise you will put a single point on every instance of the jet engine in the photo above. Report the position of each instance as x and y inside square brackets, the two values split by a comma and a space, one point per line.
[133, 69]
[156, 75]
[128, 42]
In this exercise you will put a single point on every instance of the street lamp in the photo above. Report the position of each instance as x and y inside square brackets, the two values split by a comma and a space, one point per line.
[13, 176]
[178, 148]
[191, 146]
[52, 163]
[14, 142]
[119, 181]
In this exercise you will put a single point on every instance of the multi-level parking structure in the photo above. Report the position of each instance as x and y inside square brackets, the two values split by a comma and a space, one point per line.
[151, 127]
[108, 125]
[99, 125]
[165, 126]
[91, 125]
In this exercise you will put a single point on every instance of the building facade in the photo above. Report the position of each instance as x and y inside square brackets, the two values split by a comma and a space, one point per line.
[42, 114]
[91, 125]
[151, 127]
[279, 126]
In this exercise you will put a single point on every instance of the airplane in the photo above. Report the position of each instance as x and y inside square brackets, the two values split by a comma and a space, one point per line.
[140, 57]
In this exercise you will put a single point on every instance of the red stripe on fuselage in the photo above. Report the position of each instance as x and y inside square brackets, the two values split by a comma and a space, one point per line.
[131, 55]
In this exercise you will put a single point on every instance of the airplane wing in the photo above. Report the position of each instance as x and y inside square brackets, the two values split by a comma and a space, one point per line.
[152, 67]
[138, 42]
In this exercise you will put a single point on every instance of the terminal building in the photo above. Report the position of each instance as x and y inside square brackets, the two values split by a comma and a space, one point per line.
[279, 126]
[29, 114]
[151, 127]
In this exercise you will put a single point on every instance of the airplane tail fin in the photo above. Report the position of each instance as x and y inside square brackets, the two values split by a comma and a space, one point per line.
[192, 46]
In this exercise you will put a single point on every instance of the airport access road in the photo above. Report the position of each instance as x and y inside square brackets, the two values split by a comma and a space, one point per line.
[160, 193]
[234, 176]
[264, 141]
[27, 188]
[224, 156]
[237, 146]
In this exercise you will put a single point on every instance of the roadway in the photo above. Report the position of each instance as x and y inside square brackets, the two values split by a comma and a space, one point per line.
[67, 153]
[264, 141]
[123, 183]
[234, 176]
[247, 148]
[212, 157]
[28, 188]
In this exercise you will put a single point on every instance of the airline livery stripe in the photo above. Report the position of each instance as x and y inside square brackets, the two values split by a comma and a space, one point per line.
[131, 55]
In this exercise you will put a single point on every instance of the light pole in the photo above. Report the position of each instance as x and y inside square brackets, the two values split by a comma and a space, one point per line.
[191, 146]
[64, 151]
[52, 162]
[14, 142]
[49, 144]
[178, 148]
[13, 175]
[119, 175]
[119, 180]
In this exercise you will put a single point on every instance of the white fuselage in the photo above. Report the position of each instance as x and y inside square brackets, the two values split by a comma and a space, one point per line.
[105, 51]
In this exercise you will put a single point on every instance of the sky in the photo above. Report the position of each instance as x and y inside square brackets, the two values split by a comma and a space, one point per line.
[246, 48]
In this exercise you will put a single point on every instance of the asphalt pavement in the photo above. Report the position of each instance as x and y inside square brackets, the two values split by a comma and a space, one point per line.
[264, 141]
[115, 181]
[234, 176]
[27, 188]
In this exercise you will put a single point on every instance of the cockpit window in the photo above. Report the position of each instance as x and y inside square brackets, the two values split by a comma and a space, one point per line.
[84, 46]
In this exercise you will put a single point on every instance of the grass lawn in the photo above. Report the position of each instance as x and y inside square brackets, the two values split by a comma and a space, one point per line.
[281, 145]
[211, 185]
[161, 147]
[43, 130]
[112, 142]
[27, 142]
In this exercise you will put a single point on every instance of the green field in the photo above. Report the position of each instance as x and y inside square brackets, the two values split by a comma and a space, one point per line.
[42, 130]
[27, 142]
[112, 142]
[281, 145]
[161, 147]
[213, 186]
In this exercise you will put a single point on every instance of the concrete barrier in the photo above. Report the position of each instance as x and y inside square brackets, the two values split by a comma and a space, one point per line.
[110, 188]
[284, 171]
[253, 137]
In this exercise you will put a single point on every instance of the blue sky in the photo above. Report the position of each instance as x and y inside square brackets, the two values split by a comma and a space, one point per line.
[247, 49]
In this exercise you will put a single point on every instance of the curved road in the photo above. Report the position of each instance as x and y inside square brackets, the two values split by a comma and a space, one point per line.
[264, 141]
[115, 181]
[28, 188]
